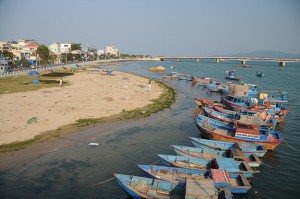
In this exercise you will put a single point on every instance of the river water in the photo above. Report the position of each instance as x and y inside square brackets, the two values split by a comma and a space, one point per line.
[75, 170]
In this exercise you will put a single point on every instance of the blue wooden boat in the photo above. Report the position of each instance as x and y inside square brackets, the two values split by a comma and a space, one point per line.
[252, 160]
[173, 174]
[270, 139]
[212, 87]
[141, 187]
[232, 76]
[204, 164]
[247, 119]
[210, 112]
[246, 147]
[236, 183]
[218, 123]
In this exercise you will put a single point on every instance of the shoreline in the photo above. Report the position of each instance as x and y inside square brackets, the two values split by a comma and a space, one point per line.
[135, 110]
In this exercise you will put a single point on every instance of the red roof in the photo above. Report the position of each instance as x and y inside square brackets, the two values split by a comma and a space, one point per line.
[32, 45]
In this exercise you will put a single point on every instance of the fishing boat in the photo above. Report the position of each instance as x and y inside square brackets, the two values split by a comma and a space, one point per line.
[262, 120]
[141, 187]
[275, 107]
[213, 87]
[246, 147]
[236, 182]
[172, 75]
[218, 123]
[206, 102]
[270, 139]
[202, 79]
[230, 164]
[185, 77]
[210, 112]
[259, 74]
[232, 76]
[252, 160]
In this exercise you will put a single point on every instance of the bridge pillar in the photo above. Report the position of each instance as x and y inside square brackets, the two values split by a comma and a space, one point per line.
[217, 60]
[243, 62]
[282, 63]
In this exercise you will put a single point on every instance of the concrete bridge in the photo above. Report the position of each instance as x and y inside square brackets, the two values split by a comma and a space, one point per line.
[242, 59]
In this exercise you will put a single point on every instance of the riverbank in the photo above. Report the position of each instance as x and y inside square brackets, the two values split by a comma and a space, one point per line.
[91, 97]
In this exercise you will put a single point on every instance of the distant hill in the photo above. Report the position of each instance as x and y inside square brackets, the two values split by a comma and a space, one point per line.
[266, 54]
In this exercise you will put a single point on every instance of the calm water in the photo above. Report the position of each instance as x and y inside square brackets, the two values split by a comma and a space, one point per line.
[80, 171]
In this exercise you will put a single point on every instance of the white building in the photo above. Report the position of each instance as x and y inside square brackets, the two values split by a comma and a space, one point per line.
[100, 52]
[111, 50]
[58, 48]
[65, 47]
[54, 48]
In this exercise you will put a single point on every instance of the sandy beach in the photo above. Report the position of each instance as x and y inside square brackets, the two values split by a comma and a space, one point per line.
[91, 94]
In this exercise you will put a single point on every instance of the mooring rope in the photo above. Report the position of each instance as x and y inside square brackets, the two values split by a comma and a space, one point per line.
[289, 145]
[102, 182]
[266, 165]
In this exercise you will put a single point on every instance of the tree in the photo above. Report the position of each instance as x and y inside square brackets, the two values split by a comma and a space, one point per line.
[7, 54]
[75, 47]
[43, 53]
[22, 63]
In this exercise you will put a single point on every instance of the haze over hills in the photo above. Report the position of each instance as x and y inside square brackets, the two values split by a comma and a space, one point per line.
[266, 54]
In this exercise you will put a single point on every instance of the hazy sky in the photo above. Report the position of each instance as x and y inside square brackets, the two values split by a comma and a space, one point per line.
[157, 27]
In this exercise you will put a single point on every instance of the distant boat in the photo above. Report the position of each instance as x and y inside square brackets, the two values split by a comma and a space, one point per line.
[232, 76]
[185, 77]
[172, 75]
[259, 74]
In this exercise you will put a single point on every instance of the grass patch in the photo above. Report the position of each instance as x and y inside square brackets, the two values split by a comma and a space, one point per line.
[23, 83]
[166, 99]
[86, 122]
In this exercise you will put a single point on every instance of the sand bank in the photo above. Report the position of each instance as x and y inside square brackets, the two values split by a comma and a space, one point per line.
[90, 95]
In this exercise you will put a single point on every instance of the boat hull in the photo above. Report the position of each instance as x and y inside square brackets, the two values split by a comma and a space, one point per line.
[269, 146]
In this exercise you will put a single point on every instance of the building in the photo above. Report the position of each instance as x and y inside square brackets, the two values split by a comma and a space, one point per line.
[29, 50]
[111, 50]
[4, 67]
[54, 48]
[65, 47]
[100, 52]
[5, 46]
[59, 48]
[23, 42]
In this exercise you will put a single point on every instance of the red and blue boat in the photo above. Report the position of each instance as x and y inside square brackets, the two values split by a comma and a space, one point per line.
[270, 139]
